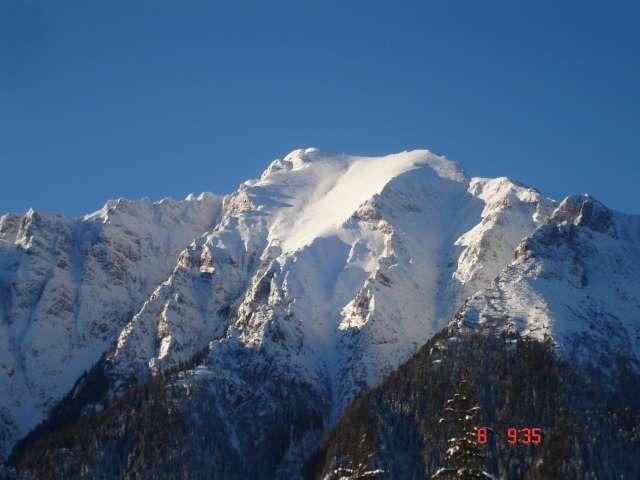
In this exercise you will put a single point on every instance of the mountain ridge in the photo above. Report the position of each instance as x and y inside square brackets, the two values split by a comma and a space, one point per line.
[68, 285]
[328, 307]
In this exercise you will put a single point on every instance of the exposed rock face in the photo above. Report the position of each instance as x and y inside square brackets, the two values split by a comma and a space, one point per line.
[575, 280]
[288, 297]
[554, 342]
[67, 288]
[329, 269]
[582, 210]
[337, 268]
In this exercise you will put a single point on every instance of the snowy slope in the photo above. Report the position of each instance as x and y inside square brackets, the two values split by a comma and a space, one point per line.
[334, 267]
[301, 288]
[330, 268]
[576, 280]
[68, 286]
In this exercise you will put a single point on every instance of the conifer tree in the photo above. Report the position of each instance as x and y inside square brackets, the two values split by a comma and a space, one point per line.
[463, 452]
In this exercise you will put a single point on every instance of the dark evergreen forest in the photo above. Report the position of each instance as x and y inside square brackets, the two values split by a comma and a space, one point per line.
[590, 422]
[163, 430]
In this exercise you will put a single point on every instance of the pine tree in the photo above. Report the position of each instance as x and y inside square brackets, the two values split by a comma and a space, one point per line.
[463, 453]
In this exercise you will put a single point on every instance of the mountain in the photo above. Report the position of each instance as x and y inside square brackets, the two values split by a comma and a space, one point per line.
[588, 426]
[294, 294]
[68, 286]
[574, 280]
[336, 267]
[552, 343]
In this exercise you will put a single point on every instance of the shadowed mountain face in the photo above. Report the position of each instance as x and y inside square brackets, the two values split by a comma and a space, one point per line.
[253, 320]
[589, 421]
[552, 343]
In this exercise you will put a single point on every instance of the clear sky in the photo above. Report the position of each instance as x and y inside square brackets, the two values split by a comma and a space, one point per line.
[103, 99]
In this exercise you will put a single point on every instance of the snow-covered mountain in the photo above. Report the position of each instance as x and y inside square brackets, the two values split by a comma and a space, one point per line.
[336, 267]
[576, 280]
[300, 289]
[554, 341]
[68, 286]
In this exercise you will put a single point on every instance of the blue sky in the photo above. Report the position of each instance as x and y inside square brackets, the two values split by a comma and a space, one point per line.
[162, 98]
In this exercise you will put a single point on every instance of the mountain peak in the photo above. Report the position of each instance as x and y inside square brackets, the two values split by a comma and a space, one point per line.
[330, 268]
[583, 210]
[299, 157]
[311, 192]
[304, 157]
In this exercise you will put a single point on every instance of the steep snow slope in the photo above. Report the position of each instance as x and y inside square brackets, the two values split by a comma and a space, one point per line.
[67, 287]
[337, 186]
[308, 284]
[576, 281]
[331, 269]
[335, 268]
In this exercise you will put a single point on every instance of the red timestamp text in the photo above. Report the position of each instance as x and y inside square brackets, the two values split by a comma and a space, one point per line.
[514, 436]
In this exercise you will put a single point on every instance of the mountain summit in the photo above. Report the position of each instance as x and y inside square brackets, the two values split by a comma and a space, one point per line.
[286, 298]
[335, 267]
